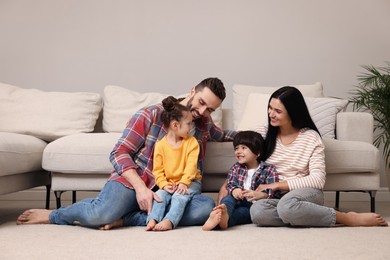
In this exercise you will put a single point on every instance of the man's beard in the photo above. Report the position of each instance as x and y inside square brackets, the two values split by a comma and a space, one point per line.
[189, 105]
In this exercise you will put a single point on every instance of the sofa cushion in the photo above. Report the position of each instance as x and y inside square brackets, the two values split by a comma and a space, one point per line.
[350, 156]
[20, 153]
[322, 110]
[121, 103]
[241, 92]
[80, 153]
[47, 115]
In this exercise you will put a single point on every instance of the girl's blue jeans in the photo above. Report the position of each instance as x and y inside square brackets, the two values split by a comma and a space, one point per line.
[172, 206]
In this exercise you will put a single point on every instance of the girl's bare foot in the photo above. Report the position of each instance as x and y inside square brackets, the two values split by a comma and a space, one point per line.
[115, 224]
[164, 225]
[151, 224]
[213, 220]
[34, 216]
[223, 224]
[360, 219]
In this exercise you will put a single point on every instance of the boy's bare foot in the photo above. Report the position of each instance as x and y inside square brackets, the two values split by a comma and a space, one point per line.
[115, 224]
[224, 217]
[360, 219]
[164, 225]
[151, 224]
[34, 216]
[213, 220]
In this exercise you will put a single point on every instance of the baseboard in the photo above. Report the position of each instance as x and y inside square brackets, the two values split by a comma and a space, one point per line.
[39, 193]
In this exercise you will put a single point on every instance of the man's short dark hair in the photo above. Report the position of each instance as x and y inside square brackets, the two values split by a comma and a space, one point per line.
[215, 85]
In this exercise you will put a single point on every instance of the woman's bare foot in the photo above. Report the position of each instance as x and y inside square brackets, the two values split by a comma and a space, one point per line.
[360, 219]
[224, 217]
[115, 224]
[213, 220]
[164, 225]
[34, 216]
[151, 224]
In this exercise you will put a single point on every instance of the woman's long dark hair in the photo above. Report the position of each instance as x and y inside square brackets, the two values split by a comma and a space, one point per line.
[295, 105]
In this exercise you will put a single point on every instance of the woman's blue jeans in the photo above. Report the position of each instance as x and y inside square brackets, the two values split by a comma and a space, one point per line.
[116, 201]
[172, 206]
[238, 210]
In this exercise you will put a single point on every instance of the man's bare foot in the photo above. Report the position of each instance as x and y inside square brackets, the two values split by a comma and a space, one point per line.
[224, 217]
[115, 224]
[151, 224]
[360, 219]
[213, 220]
[34, 216]
[164, 225]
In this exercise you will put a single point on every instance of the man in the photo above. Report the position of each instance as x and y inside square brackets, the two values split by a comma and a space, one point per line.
[129, 193]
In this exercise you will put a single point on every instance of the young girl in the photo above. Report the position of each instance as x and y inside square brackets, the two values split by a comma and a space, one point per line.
[174, 167]
[244, 178]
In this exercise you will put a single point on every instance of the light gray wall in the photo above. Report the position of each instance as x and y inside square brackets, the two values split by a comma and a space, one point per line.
[169, 46]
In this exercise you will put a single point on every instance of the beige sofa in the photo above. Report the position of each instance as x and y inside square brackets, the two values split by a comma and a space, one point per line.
[77, 144]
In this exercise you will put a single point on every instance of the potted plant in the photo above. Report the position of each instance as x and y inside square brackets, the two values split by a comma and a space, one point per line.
[373, 94]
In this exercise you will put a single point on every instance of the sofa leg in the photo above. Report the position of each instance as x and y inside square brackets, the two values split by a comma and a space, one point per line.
[372, 200]
[73, 196]
[58, 198]
[337, 200]
[48, 189]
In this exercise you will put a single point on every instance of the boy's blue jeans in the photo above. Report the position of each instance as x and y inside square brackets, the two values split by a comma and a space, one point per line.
[172, 206]
[116, 201]
[238, 210]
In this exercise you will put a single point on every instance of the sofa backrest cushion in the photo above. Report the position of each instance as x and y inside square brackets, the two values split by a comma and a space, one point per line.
[121, 103]
[322, 110]
[47, 115]
[241, 93]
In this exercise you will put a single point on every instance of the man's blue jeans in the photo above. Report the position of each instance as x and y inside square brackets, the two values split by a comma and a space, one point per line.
[172, 206]
[116, 201]
[238, 210]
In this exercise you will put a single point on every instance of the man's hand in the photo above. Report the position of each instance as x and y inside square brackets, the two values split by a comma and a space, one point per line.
[145, 199]
[223, 192]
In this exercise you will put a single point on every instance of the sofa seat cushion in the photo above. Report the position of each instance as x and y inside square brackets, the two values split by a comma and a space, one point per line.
[341, 157]
[350, 156]
[80, 153]
[20, 153]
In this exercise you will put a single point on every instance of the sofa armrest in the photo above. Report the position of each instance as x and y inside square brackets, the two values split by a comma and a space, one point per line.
[355, 126]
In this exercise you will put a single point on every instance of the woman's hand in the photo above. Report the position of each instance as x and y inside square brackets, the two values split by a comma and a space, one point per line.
[182, 189]
[266, 186]
[237, 194]
[252, 195]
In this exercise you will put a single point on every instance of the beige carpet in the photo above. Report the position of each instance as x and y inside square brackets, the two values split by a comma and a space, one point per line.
[241, 242]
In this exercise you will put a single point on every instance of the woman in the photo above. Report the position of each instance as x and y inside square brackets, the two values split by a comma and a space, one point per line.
[294, 146]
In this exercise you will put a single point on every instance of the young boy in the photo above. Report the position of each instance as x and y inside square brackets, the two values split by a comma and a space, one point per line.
[243, 181]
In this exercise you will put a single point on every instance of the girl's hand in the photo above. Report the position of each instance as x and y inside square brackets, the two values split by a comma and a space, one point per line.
[252, 195]
[182, 189]
[237, 194]
[169, 188]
